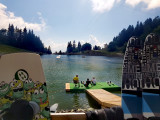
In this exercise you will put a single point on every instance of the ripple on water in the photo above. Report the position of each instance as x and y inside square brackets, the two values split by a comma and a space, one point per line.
[60, 71]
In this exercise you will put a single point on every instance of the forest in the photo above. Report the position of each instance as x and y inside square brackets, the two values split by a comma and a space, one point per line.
[73, 48]
[141, 30]
[119, 42]
[24, 39]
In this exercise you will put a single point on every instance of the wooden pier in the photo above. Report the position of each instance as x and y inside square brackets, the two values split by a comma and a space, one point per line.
[104, 98]
[67, 87]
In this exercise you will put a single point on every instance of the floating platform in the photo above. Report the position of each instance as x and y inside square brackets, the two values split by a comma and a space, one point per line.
[70, 87]
[105, 98]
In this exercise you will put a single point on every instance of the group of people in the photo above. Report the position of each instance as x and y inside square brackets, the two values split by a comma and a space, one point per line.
[92, 82]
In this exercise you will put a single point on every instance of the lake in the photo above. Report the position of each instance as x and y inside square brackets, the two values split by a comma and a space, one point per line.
[60, 71]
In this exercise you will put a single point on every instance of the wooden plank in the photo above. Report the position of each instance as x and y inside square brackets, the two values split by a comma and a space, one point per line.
[67, 87]
[105, 98]
[68, 116]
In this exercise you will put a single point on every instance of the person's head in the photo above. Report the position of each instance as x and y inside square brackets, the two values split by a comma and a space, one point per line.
[87, 79]
[93, 77]
[76, 75]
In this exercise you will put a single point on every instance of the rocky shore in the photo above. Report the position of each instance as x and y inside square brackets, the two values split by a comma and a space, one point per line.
[75, 110]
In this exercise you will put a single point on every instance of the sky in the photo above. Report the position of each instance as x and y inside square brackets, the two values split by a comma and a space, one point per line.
[57, 22]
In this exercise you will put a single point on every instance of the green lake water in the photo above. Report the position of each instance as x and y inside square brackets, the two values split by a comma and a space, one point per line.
[60, 71]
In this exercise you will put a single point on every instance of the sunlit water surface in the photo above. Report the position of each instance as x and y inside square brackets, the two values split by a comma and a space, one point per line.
[60, 71]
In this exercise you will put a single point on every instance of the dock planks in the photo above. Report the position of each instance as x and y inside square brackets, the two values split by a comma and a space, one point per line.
[67, 87]
[105, 98]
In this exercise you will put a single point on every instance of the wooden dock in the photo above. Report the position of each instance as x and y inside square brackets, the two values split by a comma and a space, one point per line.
[105, 98]
[67, 87]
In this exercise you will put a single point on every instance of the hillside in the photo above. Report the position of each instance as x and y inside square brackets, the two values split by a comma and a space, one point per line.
[141, 30]
[4, 49]
[23, 39]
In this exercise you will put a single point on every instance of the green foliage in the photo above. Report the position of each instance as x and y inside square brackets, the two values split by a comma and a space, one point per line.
[157, 30]
[112, 47]
[141, 30]
[22, 39]
[79, 47]
[73, 48]
[69, 47]
[49, 50]
[60, 52]
[86, 46]
[96, 47]
[4, 49]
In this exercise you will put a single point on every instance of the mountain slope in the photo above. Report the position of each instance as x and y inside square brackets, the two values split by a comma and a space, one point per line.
[4, 49]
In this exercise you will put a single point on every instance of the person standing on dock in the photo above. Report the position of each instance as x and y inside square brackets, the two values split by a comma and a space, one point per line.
[76, 80]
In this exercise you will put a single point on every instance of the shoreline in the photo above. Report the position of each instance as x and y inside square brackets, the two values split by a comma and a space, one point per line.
[93, 54]
[78, 110]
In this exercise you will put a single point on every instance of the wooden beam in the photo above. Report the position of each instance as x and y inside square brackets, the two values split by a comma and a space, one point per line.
[105, 98]
[67, 87]
[68, 116]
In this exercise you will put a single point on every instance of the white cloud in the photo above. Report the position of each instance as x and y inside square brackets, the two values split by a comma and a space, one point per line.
[56, 46]
[82, 42]
[106, 5]
[151, 4]
[94, 41]
[133, 3]
[103, 5]
[39, 13]
[7, 17]
[59, 46]
[118, 1]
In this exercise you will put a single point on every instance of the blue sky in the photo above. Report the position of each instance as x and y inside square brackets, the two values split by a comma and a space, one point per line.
[60, 21]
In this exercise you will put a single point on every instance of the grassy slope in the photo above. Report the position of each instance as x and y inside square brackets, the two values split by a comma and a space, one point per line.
[4, 49]
[103, 53]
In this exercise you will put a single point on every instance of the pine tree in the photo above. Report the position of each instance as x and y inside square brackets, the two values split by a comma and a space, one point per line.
[69, 47]
[49, 50]
[79, 47]
[74, 45]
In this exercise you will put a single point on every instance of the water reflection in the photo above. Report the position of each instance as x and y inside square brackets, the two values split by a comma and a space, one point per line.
[61, 71]
[92, 103]
[76, 101]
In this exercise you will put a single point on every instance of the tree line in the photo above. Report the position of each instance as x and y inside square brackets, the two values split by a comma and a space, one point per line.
[24, 39]
[73, 48]
[141, 30]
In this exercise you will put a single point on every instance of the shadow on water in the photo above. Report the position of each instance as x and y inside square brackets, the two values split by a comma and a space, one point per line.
[118, 93]
[92, 103]
[60, 71]
[76, 100]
